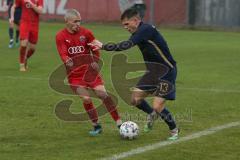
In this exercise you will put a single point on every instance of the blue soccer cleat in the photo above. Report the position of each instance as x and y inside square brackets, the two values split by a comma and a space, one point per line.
[11, 43]
[96, 130]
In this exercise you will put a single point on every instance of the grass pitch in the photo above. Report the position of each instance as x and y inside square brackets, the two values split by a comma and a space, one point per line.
[208, 95]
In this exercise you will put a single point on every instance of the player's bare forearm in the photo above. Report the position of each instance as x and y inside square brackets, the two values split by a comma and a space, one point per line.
[12, 13]
[37, 9]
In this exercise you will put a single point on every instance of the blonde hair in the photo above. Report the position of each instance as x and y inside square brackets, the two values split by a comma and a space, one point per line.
[71, 13]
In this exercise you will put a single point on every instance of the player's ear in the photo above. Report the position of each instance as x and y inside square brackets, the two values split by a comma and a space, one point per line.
[66, 20]
[135, 19]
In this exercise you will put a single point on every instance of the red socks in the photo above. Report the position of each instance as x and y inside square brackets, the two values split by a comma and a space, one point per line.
[92, 112]
[22, 57]
[111, 107]
[30, 53]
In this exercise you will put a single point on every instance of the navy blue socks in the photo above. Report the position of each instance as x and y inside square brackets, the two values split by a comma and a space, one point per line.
[10, 32]
[168, 118]
[145, 107]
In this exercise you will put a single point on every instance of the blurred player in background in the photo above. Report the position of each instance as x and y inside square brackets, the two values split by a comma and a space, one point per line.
[138, 5]
[29, 27]
[17, 16]
[154, 50]
[79, 60]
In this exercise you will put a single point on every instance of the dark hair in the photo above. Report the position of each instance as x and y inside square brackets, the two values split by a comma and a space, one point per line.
[129, 13]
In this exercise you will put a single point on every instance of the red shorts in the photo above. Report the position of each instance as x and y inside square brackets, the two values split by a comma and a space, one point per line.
[29, 32]
[76, 82]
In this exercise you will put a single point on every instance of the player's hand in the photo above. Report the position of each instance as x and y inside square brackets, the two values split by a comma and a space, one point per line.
[96, 44]
[28, 2]
[69, 62]
[95, 66]
[11, 20]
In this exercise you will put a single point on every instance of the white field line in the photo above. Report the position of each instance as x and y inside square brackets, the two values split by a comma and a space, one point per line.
[161, 144]
[216, 90]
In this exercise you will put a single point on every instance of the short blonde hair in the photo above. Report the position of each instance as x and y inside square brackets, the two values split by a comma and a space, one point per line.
[71, 13]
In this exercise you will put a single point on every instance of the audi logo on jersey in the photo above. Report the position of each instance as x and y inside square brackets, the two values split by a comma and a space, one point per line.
[76, 50]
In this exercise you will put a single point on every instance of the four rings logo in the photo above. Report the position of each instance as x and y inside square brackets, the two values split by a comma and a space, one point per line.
[76, 50]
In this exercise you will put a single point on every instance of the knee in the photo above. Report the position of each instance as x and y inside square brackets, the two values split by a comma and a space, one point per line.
[86, 100]
[136, 101]
[102, 95]
[159, 105]
[24, 43]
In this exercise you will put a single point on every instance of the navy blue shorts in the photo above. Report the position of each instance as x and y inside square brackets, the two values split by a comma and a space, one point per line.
[17, 14]
[160, 85]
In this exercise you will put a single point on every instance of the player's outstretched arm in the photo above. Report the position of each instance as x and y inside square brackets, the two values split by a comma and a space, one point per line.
[121, 46]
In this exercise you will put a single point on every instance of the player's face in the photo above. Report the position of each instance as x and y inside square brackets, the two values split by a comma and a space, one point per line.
[73, 24]
[131, 24]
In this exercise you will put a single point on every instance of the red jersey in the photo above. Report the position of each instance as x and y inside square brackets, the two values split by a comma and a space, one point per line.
[75, 46]
[28, 14]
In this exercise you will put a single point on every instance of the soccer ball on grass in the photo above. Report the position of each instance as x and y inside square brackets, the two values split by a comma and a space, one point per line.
[129, 130]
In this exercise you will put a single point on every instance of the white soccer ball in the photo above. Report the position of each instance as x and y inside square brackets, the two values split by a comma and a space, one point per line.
[129, 130]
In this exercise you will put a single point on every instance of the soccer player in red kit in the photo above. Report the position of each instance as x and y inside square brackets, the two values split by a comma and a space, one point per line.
[82, 67]
[29, 26]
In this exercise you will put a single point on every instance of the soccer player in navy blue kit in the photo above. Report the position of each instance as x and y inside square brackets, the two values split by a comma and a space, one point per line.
[155, 51]
[17, 17]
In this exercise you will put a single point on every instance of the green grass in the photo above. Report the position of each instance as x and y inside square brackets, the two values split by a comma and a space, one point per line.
[208, 92]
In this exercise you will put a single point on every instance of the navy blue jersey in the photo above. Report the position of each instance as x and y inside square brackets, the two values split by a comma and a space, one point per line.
[152, 45]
